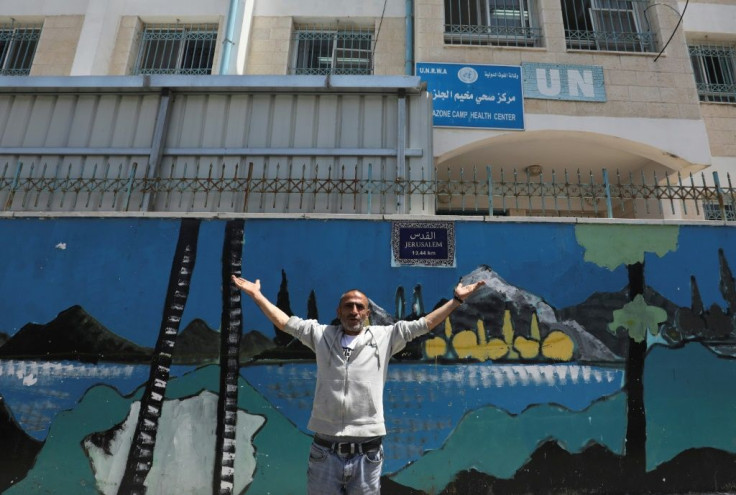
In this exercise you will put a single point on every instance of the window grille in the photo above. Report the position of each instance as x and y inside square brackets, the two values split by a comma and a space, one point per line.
[713, 211]
[615, 25]
[176, 49]
[714, 67]
[491, 22]
[17, 48]
[330, 51]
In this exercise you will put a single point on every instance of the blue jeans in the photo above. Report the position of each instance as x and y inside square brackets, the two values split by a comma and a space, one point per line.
[330, 473]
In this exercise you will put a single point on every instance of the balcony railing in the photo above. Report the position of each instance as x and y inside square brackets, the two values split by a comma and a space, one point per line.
[462, 34]
[241, 186]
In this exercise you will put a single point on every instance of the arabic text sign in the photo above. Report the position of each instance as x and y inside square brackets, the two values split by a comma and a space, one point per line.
[423, 243]
[486, 96]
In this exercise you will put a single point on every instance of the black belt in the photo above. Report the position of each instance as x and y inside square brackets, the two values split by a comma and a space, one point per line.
[349, 448]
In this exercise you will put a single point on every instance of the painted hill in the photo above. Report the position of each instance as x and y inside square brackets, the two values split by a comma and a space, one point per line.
[596, 311]
[199, 344]
[553, 469]
[73, 334]
[19, 451]
[437, 468]
[63, 468]
[76, 335]
[491, 302]
[253, 344]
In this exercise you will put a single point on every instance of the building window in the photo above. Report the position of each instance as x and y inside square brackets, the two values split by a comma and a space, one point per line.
[616, 25]
[712, 211]
[714, 66]
[331, 51]
[176, 49]
[491, 22]
[17, 48]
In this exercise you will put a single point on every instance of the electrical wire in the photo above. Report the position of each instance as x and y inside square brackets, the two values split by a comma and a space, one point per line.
[378, 32]
[679, 21]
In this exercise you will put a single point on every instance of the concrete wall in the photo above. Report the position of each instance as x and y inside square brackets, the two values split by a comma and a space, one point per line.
[57, 46]
[526, 388]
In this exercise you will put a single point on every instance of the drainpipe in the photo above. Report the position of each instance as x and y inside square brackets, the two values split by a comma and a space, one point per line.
[409, 52]
[402, 171]
[232, 16]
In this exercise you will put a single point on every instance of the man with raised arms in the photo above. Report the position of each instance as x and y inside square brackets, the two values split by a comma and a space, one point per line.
[347, 413]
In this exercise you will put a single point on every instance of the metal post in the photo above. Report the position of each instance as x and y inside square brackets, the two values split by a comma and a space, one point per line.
[13, 187]
[159, 135]
[719, 196]
[609, 205]
[401, 172]
[129, 188]
[490, 190]
[369, 188]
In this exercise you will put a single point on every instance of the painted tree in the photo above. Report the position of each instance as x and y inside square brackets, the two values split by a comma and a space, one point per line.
[231, 329]
[400, 303]
[283, 302]
[312, 312]
[140, 455]
[611, 246]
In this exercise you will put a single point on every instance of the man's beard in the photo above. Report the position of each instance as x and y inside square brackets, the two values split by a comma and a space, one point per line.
[355, 328]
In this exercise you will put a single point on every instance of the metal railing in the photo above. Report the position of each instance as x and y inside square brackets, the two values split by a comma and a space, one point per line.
[236, 185]
[17, 48]
[615, 25]
[176, 49]
[714, 66]
[492, 22]
[325, 50]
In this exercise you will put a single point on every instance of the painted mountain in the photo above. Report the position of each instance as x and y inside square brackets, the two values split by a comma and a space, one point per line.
[499, 305]
[199, 344]
[72, 335]
[75, 335]
[594, 314]
[491, 303]
[19, 450]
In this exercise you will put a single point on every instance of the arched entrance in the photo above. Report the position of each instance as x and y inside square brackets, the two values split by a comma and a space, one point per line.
[548, 172]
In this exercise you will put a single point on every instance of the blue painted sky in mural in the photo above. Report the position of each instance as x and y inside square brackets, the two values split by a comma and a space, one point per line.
[118, 269]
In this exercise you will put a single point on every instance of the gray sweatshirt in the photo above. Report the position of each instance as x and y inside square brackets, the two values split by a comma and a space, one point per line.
[348, 400]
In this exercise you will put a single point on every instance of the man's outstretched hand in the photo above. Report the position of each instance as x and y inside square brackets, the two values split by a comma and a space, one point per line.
[463, 291]
[253, 289]
[250, 288]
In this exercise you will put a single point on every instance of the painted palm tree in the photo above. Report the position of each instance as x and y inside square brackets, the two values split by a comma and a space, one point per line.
[230, 331]
[140, 456]
[610, 247]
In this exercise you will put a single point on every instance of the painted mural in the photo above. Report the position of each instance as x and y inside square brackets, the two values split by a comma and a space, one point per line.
[598, 358]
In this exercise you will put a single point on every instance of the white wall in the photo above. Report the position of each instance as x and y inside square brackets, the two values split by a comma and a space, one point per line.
[330, 8]
[709, 18]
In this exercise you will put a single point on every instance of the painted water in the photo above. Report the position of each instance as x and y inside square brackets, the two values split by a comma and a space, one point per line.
[36, 391]
[688, 402]
[424, 403]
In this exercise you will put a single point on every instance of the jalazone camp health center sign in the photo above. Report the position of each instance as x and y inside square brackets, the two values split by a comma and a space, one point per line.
[478, 96]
